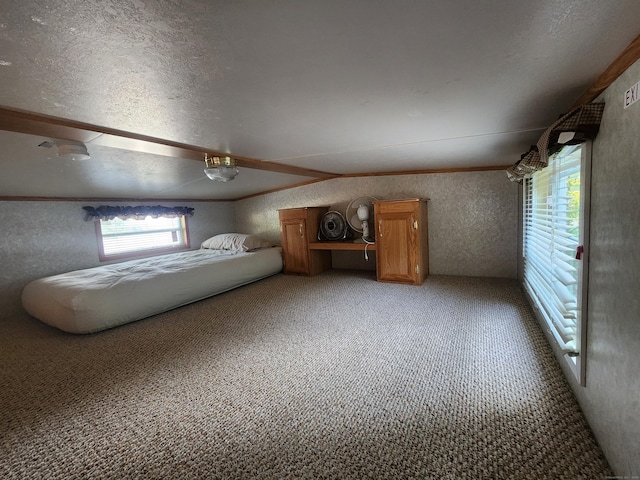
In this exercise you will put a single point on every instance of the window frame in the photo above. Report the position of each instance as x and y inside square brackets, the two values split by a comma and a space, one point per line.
[145, 252]
[575, 362]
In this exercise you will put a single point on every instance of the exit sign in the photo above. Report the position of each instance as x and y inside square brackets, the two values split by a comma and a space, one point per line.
[631, 95]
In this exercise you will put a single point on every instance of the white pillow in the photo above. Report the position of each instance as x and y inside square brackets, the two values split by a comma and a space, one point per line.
[240, 242]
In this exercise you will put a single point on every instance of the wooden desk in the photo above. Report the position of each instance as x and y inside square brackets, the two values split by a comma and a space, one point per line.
[402, 251]
[341, 246]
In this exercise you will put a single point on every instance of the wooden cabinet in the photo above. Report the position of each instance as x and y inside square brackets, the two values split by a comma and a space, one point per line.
[402, 241]
[299, 227]
[402, 251]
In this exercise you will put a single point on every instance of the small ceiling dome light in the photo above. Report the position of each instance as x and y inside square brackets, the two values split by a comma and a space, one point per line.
[220, 169]
[72, 150]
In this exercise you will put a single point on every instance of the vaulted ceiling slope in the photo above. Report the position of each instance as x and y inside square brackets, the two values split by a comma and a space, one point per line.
[290, 87]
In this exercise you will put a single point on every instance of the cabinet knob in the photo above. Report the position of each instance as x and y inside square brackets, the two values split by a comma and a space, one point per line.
[301, 233]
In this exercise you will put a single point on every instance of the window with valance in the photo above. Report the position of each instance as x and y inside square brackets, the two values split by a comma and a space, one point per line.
[133, 231]
[555, 174]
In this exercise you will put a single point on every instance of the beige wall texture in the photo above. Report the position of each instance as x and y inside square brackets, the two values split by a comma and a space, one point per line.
[611, 397]
[45, 238]
[472, 225]
[473, 216]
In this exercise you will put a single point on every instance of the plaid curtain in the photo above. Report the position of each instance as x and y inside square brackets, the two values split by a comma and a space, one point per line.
[529, 162]
[105, 212]
[577, 126]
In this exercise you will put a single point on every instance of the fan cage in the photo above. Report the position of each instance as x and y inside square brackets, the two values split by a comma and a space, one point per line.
[333, 227]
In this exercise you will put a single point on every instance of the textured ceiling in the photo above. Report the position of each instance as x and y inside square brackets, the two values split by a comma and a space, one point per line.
[343, 87]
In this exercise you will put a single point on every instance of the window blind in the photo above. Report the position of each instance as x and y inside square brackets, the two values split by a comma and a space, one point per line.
[125, 236]
[551, 239]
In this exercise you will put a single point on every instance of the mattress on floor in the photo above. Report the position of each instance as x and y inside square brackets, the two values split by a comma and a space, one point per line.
[94, 299]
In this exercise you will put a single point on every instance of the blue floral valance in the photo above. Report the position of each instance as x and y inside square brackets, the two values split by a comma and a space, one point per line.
[105, 212]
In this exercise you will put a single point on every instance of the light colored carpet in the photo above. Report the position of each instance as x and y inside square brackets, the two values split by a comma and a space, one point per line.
[333, 376]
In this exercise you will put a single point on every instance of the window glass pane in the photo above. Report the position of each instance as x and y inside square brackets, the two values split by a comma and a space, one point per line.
[121, 237]
[552, 275]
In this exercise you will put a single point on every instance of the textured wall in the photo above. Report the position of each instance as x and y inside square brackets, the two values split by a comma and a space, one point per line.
[611, 398]
[472, 225]
[473, 216]
[45, 238]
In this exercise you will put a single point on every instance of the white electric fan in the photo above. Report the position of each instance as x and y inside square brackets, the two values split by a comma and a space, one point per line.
[359, 215]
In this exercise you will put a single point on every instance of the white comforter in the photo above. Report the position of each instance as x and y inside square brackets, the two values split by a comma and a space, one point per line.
[95, 299]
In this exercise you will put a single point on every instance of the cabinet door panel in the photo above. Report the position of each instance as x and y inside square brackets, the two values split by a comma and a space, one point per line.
[396, 250]
[294, 246]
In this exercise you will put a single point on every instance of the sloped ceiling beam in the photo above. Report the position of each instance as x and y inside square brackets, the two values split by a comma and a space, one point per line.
[59, 128]
[628, 57]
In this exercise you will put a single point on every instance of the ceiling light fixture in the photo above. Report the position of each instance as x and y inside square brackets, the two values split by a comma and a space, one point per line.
[72, 150]
[220, 169]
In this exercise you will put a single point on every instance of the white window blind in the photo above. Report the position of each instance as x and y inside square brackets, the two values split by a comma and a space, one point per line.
[552, 235]
[126, 237]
